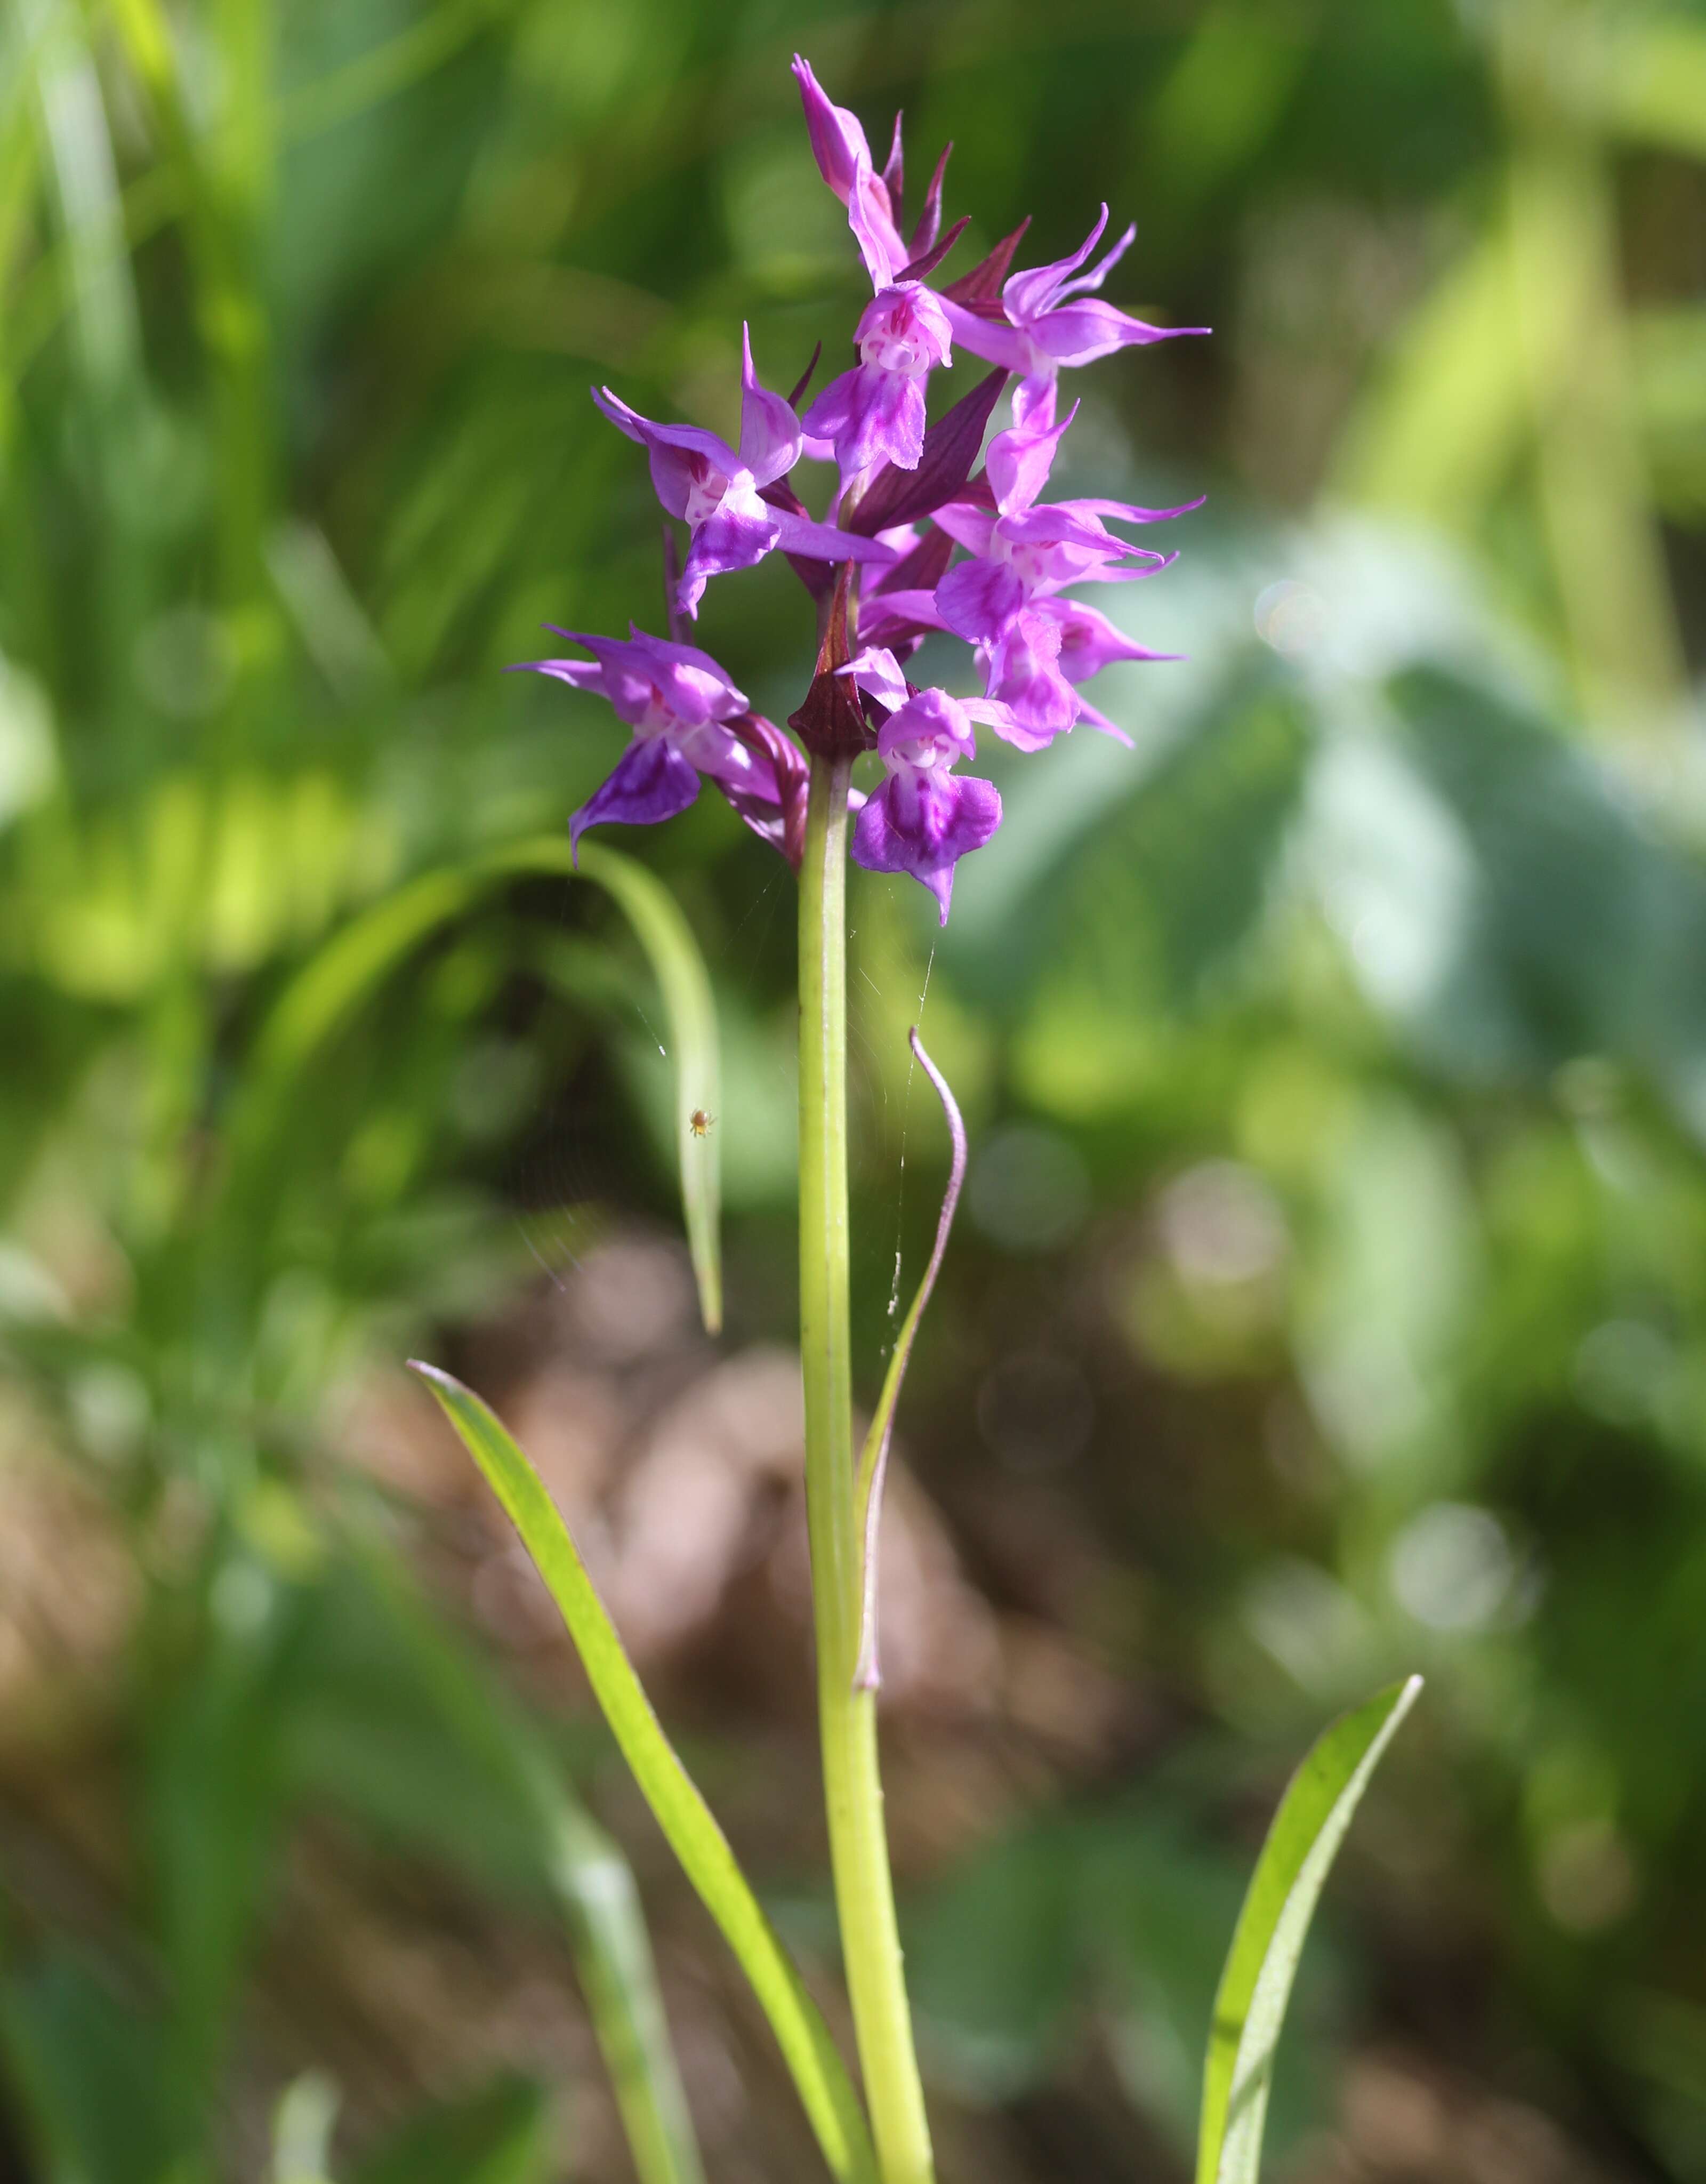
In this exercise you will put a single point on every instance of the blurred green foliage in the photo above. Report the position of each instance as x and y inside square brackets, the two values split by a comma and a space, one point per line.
[1336, 1063]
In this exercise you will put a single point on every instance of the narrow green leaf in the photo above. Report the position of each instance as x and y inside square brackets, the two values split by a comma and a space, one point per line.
[330, 989]
[515, 1773]
[1250, 2006]
[681, 1812]
[667, 939]
[594, 1884]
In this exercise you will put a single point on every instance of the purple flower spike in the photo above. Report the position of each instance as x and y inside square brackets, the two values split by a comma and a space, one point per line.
[875, 413]
[1049, 324]
[717, 491]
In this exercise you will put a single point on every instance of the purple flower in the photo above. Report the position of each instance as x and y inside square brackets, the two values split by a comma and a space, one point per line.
[1021, 550]
[1046, 320]
[718, 492]
[1003, 601]
[1089, 641]
[875, 413]
[688, 719]
[1033, 647]
[925, 817]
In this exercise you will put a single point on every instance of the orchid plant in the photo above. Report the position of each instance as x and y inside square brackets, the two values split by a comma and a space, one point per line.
[926, 530]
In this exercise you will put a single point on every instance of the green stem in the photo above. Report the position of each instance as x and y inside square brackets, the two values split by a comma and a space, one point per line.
[847, 1720]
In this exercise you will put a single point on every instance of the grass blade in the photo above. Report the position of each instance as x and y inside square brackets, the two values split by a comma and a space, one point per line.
[693, 1834]
[330, 989]
[595, 1887]
[1255, 1986]
[590, 1882]
[667, 939]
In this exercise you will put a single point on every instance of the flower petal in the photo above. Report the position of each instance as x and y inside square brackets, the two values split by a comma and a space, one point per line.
[579, 674]
[873, 226]
[1131, 512]
[1025, 677]
[930, 726]
[949, 449]
[740, 534]
[898, 618]
[1034, 399]
[1104, 266]
[966, 525]
[769, 430]
[984, 337]
[978, 599]
[1088, 714]
[1089, 641]
[877, 672]
[651, 782]
[1079, 332]
[690, 439]
[823, 542]
[1018, 463]
[1028, 295]
[637, 673]
[873, 416]
[922, 824]
[838, 141]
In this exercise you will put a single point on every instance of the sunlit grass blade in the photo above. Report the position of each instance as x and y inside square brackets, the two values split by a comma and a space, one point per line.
[693, 1834]
[1255, 1986]
[333, 985]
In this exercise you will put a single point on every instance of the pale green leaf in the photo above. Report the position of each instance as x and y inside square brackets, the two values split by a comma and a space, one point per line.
[681, 1812]
[1250, 2006]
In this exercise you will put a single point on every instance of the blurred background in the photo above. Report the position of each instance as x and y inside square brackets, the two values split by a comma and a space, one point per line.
[1328, 1298]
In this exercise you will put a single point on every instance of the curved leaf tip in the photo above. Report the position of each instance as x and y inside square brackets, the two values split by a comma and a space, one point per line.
[1255, 1986]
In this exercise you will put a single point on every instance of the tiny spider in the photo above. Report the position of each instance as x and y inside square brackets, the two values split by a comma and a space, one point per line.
[699, 1122]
